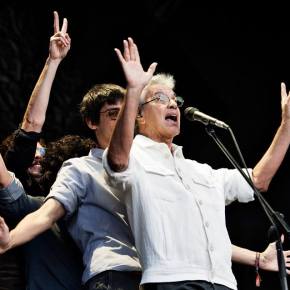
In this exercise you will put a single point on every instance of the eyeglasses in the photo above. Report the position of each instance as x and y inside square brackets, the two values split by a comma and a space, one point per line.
[165, 100]
[40, 151]
[112, 113]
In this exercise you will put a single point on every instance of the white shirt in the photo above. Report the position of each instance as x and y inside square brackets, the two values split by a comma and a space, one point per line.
[176, 208]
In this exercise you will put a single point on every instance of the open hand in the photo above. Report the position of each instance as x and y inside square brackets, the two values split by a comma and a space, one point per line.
[132, 67]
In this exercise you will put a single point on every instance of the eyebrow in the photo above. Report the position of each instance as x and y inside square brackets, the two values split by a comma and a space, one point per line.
[161, 92]
[113, 108]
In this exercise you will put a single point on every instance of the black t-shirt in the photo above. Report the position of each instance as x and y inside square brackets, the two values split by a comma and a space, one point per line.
[11, 270]
[20, 156]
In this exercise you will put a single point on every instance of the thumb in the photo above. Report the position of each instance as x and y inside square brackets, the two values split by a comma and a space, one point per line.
[152, 68]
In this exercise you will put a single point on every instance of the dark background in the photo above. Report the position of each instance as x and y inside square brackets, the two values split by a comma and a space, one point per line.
[228, 62]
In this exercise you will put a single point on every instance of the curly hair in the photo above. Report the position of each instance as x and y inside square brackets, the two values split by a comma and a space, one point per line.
[7, 143]
[57, 152]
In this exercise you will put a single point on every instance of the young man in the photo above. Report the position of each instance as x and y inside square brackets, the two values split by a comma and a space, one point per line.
[95, 218]
[176, 206]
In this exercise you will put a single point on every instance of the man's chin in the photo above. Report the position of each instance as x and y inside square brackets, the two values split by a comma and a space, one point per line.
[173, 131]
[35, 172]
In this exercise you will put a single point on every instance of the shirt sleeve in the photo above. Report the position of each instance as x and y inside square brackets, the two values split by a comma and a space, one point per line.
[119, 180]
[235, 186]
[12, 192]
[15, 204]
[70, 186]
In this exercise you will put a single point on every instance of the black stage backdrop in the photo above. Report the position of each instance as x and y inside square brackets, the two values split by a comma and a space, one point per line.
[228, 62]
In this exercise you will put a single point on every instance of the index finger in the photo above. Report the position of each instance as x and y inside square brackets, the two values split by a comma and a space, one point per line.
[56, 22]
[283, 90]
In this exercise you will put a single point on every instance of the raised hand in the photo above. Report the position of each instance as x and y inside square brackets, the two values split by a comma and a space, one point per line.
[132, 67]
[285, 102]
[60, 42]
[268, 258]
[4, 236]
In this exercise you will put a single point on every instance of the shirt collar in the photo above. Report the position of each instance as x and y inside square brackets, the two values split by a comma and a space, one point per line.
[96, 152]
[147, 142]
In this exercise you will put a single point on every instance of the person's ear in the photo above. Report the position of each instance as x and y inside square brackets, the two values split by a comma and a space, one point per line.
[139, 114]
[140, 119]
[91, 125]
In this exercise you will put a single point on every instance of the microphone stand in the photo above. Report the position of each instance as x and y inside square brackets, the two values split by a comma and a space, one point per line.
[276, 218]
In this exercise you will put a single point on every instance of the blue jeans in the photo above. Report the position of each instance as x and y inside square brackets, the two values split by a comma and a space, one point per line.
[115, 280]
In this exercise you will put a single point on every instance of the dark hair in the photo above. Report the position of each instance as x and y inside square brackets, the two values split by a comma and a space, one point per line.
[7, 144]
[57, 152]
[96, 97]
[11, 141]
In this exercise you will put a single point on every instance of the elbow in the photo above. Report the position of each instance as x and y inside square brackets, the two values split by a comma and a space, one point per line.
[32, 124]
[5, 179]
[117, 164]
[261, 184]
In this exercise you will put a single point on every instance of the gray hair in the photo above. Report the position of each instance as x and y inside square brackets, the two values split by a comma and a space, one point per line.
[159, 79]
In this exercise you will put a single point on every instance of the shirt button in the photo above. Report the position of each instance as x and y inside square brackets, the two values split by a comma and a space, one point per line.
[200, 202]
[206, 224]
[211, 248]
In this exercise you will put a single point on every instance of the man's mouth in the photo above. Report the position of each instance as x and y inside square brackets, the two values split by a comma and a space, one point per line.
[171, 118]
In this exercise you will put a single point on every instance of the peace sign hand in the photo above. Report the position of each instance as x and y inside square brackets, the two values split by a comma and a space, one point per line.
[60, 42]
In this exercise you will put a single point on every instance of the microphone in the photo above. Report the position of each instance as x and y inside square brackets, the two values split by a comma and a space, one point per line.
[193, 114]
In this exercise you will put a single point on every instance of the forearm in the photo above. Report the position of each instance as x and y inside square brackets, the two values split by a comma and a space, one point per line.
[34, 116]
[272, 159]
[5, 177]
[27, 229]
[243, 256]
[15, 204]
[34, 224]
[122, 138]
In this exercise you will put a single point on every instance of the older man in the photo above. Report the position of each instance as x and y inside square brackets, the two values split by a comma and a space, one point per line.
[176, 206]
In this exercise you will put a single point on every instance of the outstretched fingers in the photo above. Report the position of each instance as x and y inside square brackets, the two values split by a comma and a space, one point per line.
[64, 26]
[285, 101]
[152, 68]
[126, 56]
[126, 53]
[3, 230]
[120, 56]
[133, 50]
[60, 33]
[55, 22]
[2, 221]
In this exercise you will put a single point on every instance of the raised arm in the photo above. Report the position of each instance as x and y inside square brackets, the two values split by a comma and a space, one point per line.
[14, 203]
[5, 177]
[137, 78]
[272, 159]
[59, 46]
